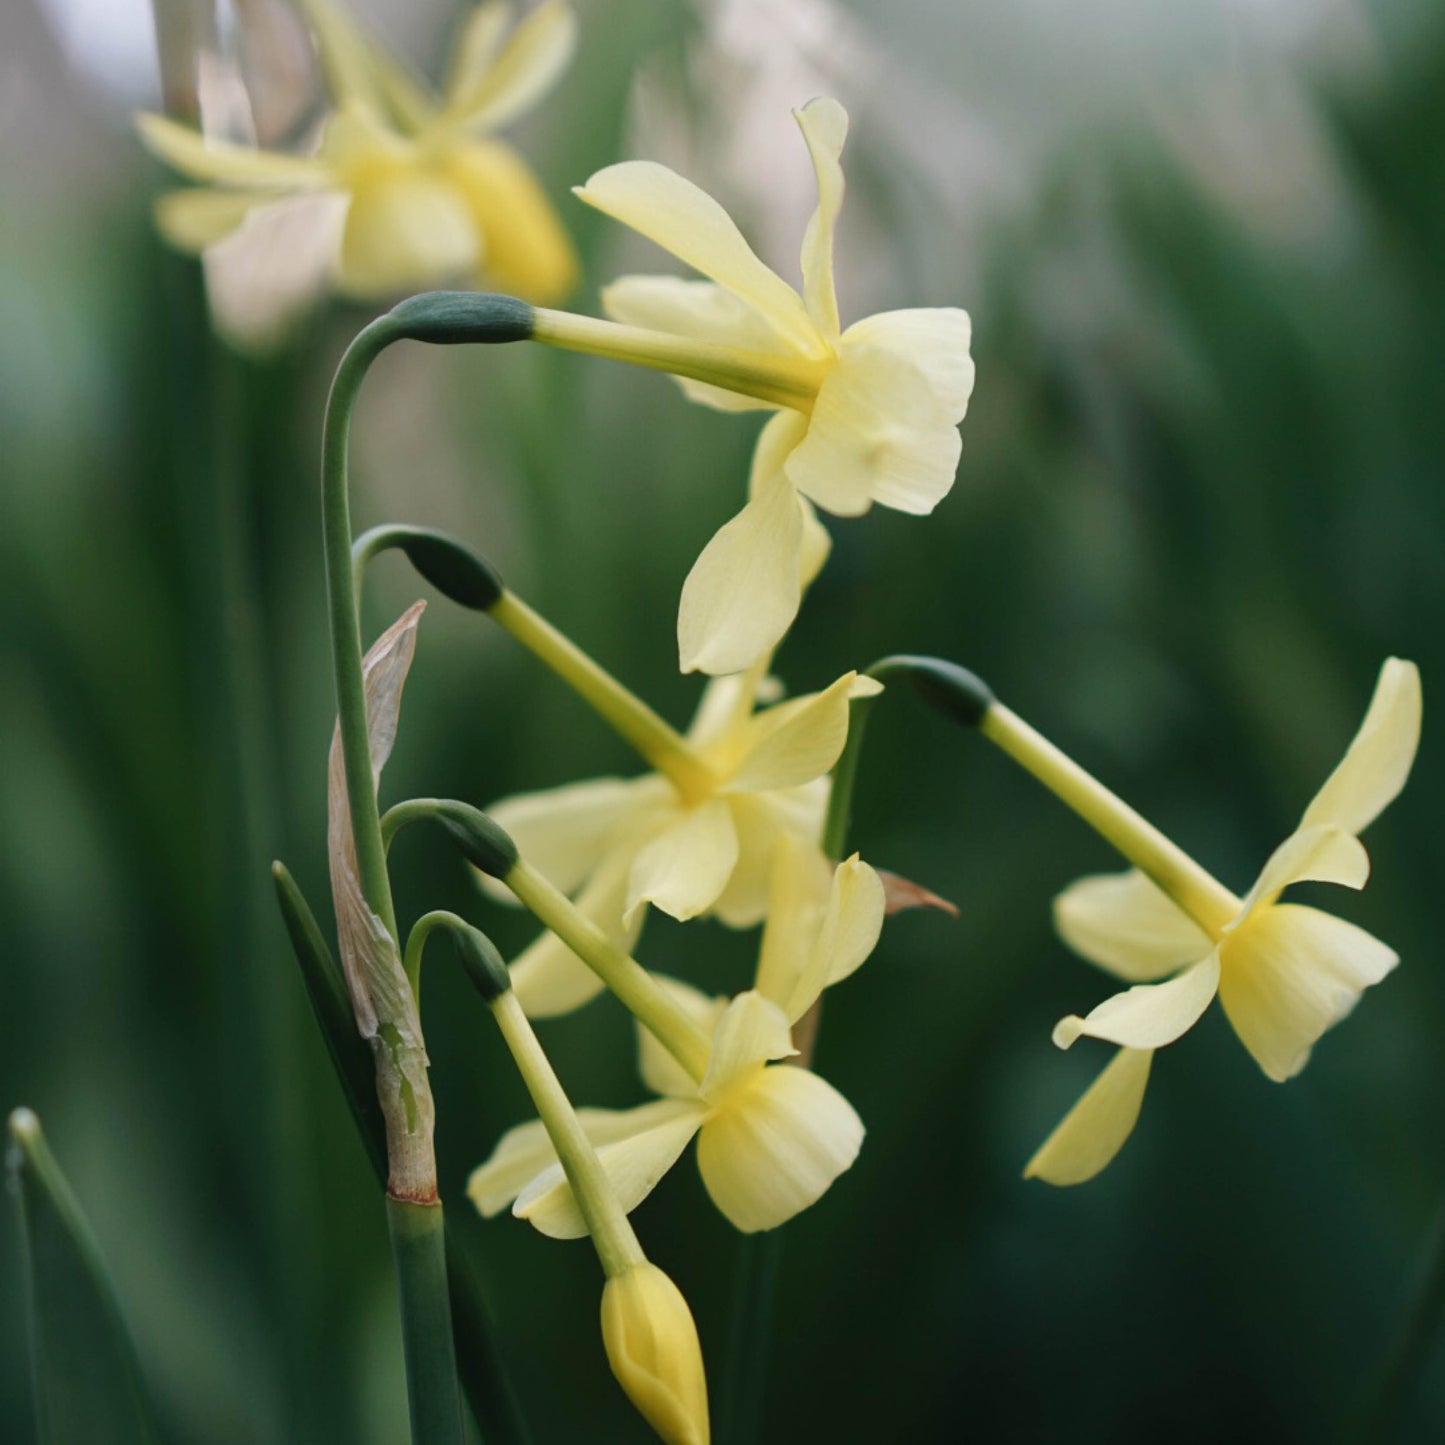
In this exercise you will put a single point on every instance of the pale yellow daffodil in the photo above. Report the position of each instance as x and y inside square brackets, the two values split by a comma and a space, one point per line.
[771, 1137]
[621, 844]
[407, 189]
[867, 414]
[1283, 972]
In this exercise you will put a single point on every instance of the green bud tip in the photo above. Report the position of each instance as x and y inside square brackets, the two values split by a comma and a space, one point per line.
[24, 1125]
[482, 962]
[957, 693]
[457, 572]
[451, 318]
[484, 843]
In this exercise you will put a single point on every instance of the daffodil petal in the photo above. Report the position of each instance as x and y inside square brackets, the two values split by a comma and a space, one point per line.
[565, 832]
[405, 230]
[743, 591]
[657, 1133]
[776, 440]
[877, 433]
[1149, 1015]
[476, 45]
[701, 311]
[824, 124]
[1094, 1130]
[198, 217]
[1128, 925]
[935, 340]
[1292, 972]
[794, 742]
[1374, 768]
[521, 72]
[357, 69]
[1312, 855]
[801, 886]
[751, 1032]
[685, 221]
[191, 153]
[660, 1071]
[684, 868]
[847, 933]
[775, 1148]
[525, 250]
[548, 978]
[763, 820]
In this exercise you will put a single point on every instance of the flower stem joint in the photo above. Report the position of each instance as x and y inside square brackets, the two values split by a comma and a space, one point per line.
[960, 695]
[482, 842]
[454, 569]
[456, 318]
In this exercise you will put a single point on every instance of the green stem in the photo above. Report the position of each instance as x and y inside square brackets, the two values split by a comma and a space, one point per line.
[845, 777]
[612, 1233]
[637, 724]
[640, 993]
[418, 1246]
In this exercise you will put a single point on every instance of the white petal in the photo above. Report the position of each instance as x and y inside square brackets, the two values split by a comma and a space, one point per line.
[657, 1133]
[1376, 764]
[660, 1071]
[794, 742]
[775, 1147]
[743, 591]
[548, 978]
[1094, 1130]
[751, 1032]
[686, 221]
[565, 832]
[702, 311]
[824, 124]
[878, 432]
[524, 70]
[684, 868]
[1312, 855]
[1125, 923]
[1289, 974]
[1149, 1015]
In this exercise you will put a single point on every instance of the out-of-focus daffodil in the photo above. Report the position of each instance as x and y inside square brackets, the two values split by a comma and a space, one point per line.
[702, 843]
[1283, 972]
[411, 189]
[771, 1137]
[867, 414]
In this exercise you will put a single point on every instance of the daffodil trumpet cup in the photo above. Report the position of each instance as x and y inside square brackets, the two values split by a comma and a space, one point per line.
[1283, 972]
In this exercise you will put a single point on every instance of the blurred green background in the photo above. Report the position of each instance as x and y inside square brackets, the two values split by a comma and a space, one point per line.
[1200, 501]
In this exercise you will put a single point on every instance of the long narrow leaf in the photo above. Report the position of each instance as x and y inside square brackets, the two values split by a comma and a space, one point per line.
[479, 1362]
[86, 1378]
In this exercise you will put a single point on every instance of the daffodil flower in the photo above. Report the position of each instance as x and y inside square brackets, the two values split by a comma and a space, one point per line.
[620, 844]
[867, 414]
[1284, 972]
[771, 1137]
[407, 189]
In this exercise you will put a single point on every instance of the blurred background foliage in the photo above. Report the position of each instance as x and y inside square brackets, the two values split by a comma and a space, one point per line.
[1200, 500]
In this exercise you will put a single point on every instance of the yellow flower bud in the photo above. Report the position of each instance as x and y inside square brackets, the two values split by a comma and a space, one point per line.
[654, 1352]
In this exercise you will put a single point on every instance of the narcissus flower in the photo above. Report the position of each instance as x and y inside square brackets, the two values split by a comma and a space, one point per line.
[1283, 972]
[621, 844]
[867, 414]
[407, 189]
[771, 1137]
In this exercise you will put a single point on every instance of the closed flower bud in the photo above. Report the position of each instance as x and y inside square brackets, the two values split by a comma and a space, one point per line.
[653, 1348]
